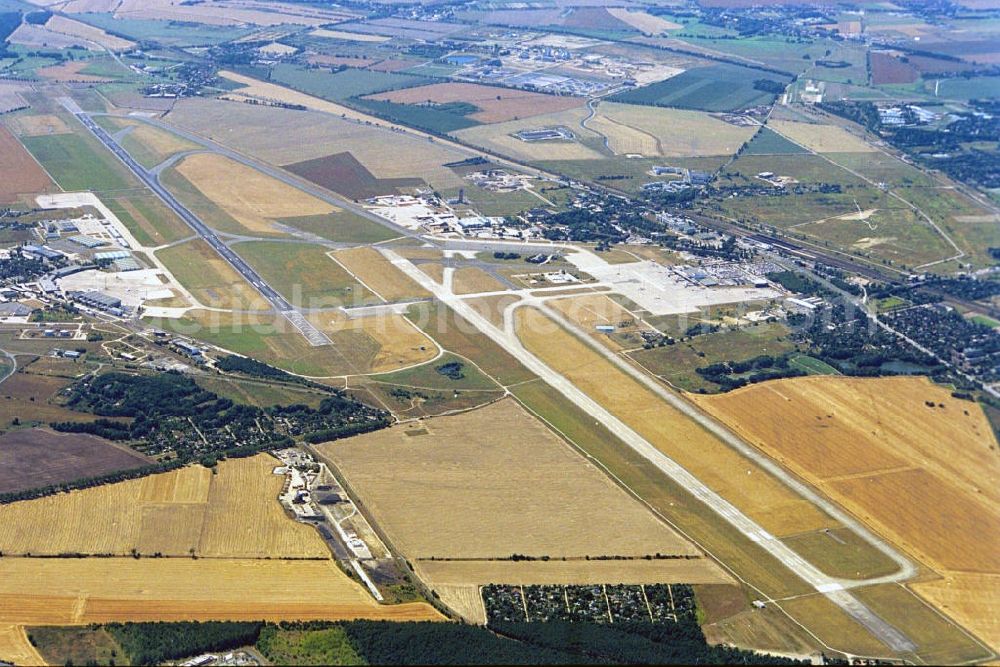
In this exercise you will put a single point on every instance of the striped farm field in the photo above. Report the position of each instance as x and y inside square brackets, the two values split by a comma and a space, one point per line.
[923, 476]
[231, 514]
[75, 591]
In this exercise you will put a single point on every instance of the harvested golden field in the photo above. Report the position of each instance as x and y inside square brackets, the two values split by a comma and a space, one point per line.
[19, 173]
[490, 483]
[925, 477]
[643, 21]
[252, 198]
[493, 307]
[434, 270]
[70, 591]
[821, 138]
[496, 105]
[27, 395]
[466, 600]
[67, 26]
[399, 343]
[472, 280]
[232, 514]
[209, 278]
[572, 572]
[155, 144]
[420, 252]
[16, 649]
[973, 600]
[655, 131]
[929, 517]
[36, 126]
[762, 497]
[379, 275]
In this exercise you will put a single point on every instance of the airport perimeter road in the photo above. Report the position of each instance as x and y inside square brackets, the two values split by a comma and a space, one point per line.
[311, 333]
[834, 589]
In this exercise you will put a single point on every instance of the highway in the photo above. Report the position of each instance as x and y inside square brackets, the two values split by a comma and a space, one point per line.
[312, 334]
[836, 590]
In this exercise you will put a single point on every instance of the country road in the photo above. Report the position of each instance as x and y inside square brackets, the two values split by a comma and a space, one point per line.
[836, 590]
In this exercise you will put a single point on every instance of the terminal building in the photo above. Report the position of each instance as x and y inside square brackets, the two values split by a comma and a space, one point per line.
[99, 301]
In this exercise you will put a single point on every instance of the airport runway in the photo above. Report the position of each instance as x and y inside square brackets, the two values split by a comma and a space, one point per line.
[312, 334]
[836, 590]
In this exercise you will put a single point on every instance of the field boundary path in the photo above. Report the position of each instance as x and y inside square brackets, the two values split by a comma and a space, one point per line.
[836, 590]
[314, 336]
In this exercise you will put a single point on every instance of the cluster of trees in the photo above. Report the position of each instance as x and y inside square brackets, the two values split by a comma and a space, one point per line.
[433, 643]
[451, 370]
[156, 643]
[769, 86]
[766, 367]
[680, 643]
[794, 282]
[945, 332]
[40, 17]
[232, 363]
[965, 287]
[506, 255]
[171, 415]
[9, 21]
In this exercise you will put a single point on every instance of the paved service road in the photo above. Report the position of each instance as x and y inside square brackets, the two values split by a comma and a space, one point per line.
[836, 590]
[311, 333]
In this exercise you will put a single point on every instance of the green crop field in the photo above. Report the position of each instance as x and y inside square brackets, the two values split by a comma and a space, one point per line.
[304, 274]
[148, 218]
[979, 87]
[985, 321]
[77, 163]
[344, 84]
[426, 376]
[712, 88]
[273, 340]
[882, 168]
[768, 142]
[342, 227]
[811, 365]
[440, 121]
[843, 553]
[168, 33]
